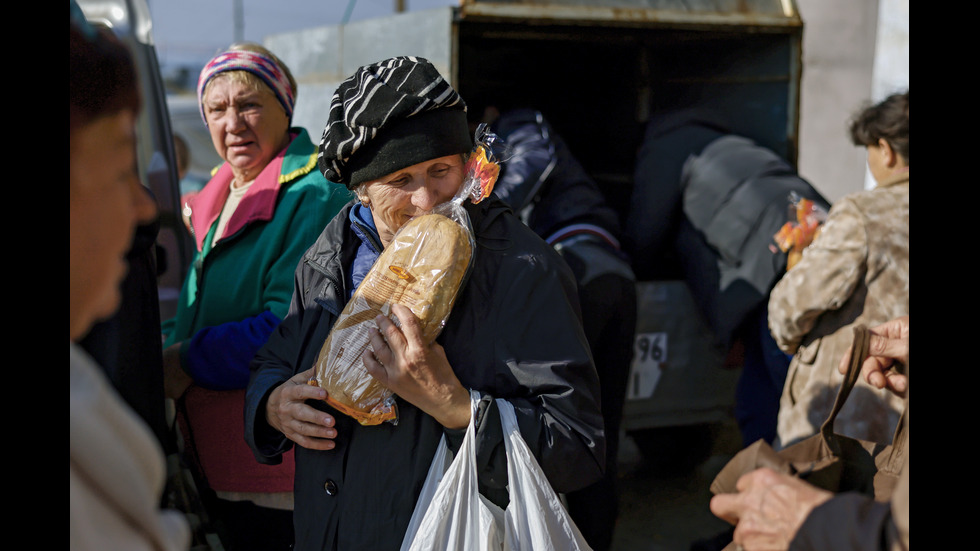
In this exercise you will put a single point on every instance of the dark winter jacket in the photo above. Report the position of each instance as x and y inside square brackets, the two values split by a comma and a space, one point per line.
[557, 198]
[706, 204]
[736, 195]
[514, 333]
[655, 215]
[545, 184]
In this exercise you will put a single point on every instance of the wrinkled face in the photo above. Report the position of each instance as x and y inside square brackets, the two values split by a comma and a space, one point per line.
[106, 202]
[248, 127]
[414, 190]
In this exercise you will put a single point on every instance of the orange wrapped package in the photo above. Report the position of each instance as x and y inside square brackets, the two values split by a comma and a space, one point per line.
[793, 237]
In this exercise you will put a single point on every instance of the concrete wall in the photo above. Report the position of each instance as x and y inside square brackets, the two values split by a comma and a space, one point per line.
[854, 51]
[322, 57]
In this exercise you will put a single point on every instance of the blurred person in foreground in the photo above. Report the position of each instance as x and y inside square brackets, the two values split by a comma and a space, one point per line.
[127, 345]
[262, 208]
[397, 135]
[775, 511]
[856, 271]
[116, 466]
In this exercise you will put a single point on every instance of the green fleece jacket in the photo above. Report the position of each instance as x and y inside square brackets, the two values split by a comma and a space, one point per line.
[237, 291]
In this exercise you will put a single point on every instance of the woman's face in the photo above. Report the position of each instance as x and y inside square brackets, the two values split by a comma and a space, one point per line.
[883, 161]
[414, 190]
[106, 202]
[248, 127]
[877, 161]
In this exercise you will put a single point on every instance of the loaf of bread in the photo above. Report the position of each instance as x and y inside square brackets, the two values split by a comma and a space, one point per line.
[422, 269]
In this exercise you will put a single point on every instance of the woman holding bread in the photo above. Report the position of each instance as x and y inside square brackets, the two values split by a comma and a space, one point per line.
[397, 135]
[260, 211]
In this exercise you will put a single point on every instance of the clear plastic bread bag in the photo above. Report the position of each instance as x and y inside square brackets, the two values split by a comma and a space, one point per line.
[423, 268]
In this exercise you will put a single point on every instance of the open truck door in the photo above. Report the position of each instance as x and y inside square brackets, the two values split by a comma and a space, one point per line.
[598, 70]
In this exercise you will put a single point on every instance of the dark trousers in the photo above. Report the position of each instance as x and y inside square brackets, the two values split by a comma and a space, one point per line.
[609, 317]
[760, 385]
[244, 526]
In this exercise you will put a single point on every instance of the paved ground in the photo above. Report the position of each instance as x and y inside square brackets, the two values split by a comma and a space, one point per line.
[668, 513]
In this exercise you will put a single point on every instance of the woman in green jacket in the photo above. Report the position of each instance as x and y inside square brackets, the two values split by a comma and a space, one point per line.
[264, 206]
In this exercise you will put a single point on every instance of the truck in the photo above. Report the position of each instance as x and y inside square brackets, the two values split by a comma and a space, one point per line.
[598, 70]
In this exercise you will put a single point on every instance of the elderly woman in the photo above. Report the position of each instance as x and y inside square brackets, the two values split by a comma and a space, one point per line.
[263, 207]
[116, 468]
[397, 134]
[855, 272]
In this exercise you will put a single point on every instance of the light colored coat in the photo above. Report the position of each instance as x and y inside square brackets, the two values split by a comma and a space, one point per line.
[116, 471]
[856, 271]
[852, 521]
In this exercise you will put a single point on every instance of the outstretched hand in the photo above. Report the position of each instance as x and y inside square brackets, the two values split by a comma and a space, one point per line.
[417, 372]
[888, 349]
[288, 412]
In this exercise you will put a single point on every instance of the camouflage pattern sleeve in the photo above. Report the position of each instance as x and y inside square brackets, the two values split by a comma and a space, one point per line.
[829, 271]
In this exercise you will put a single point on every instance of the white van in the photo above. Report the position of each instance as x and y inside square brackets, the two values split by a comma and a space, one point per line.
[130, 21]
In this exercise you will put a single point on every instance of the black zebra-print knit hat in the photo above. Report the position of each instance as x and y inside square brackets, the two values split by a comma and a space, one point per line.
[390, 115]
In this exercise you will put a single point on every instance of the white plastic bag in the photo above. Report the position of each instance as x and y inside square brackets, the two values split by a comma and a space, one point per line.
[535, 518]
[450, 512]
[452, 515]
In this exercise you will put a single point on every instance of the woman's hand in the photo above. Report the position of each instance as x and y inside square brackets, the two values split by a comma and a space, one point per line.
[768, 509]
[287, 411]
[418, 372]
[175, 379]
[889, 345]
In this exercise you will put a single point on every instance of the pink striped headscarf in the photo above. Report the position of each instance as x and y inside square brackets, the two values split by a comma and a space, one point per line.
[266, 68]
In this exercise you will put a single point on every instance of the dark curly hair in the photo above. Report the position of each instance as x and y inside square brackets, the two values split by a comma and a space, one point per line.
[888, 120]
[102, 77]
